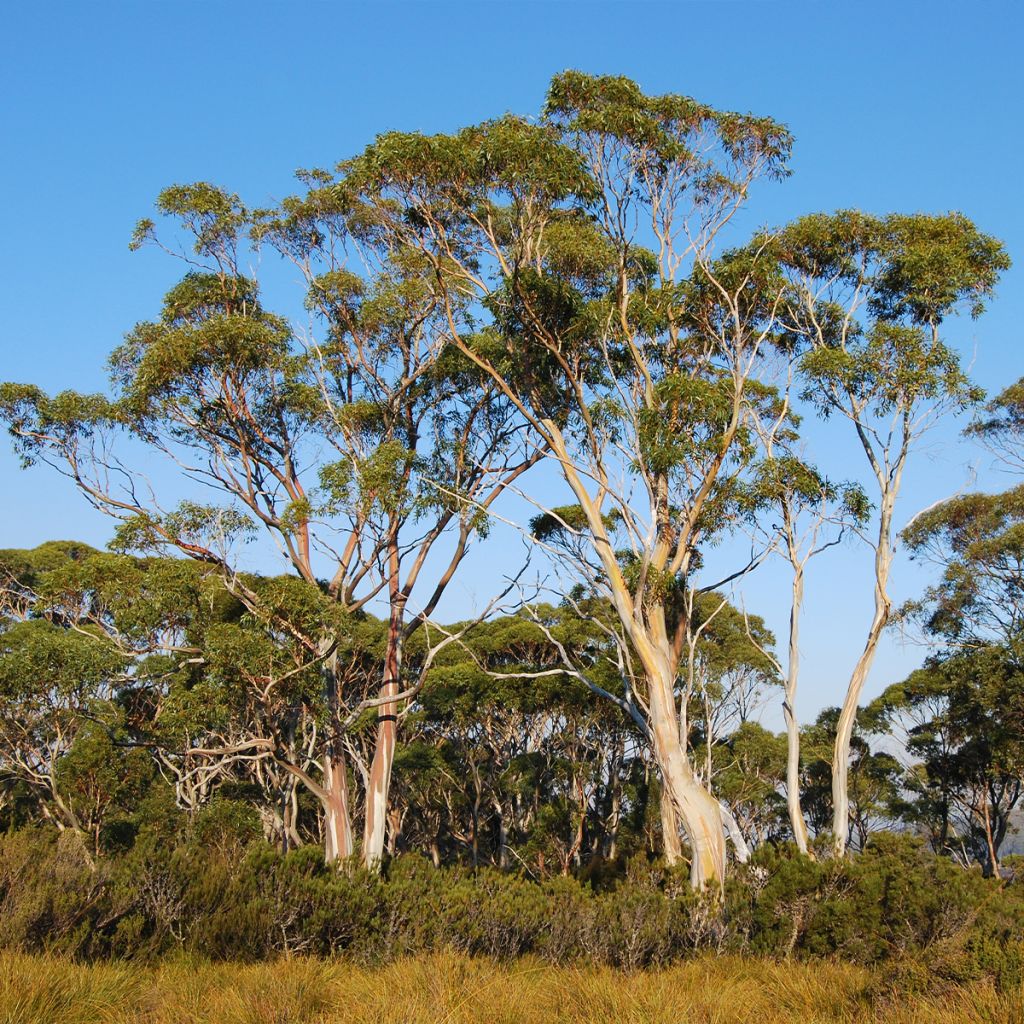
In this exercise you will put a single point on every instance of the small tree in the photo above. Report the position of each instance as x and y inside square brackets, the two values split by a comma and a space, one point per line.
[867, 298]
[809, 514]
[977, 542]
[963, 716]
[73, 636]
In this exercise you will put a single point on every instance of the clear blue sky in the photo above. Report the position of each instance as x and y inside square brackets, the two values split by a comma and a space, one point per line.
[903, 106]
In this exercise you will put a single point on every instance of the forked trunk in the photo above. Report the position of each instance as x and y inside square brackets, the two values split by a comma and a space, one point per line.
[698, 810]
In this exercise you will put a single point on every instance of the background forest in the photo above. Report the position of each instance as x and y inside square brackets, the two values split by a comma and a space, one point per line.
[557, 335]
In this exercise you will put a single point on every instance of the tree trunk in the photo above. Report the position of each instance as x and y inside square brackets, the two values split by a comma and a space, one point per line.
[698, 810]
[338, 841]
[379, 782]
[614, 819]
[992, 868]
[577, 839]
[396, 820]
[610, 832]
[739, 842]
[848, 715]
[796, 814]
[338, 845]
[671, 843]
[499, 817]
[475, 826]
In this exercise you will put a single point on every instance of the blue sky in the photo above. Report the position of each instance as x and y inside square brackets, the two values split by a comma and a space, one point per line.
[903, 106]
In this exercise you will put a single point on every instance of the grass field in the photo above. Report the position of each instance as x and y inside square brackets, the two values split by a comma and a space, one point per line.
[448, 989]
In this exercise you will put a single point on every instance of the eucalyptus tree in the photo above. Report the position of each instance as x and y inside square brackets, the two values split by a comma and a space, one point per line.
[52, 681]
[977, 543]
[250, 707]
[328, 444]
[962, 715]
[425, 443]
[584, 242]
[808, 514]
[1000, 426]
[77, 629]
[868, 297]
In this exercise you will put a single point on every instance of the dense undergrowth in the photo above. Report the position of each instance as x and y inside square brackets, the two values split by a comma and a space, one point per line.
[212, 894]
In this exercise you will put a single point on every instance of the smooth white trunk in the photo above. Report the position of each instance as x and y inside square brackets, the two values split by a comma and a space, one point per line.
[698, 810]
[848, 714]
[796, 814]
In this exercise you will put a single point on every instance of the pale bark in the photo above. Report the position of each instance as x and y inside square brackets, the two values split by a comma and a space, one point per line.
[338, 840]
[699, 812]
[338, 845]
[613, 822]
[736, 836]
[499, 817]
[379, 780]
[848, 714]
[796, 814]
[673, 846]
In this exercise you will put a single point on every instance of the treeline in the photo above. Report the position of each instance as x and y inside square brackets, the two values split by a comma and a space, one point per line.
[564, 293]
[131, 679]
[132, 684]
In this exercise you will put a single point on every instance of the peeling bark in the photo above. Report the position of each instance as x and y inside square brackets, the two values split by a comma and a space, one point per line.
[379, 781]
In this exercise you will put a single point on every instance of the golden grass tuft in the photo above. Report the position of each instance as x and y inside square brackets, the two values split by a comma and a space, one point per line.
[453, 989]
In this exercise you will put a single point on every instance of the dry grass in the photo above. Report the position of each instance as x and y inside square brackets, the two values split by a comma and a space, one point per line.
[449, 989]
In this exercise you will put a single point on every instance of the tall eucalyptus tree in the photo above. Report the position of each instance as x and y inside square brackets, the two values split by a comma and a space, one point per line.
[585, 241]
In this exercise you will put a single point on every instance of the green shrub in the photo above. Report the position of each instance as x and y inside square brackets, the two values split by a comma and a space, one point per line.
[212, 888]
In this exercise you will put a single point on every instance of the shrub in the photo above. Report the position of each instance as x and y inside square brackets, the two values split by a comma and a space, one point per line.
[209, 888]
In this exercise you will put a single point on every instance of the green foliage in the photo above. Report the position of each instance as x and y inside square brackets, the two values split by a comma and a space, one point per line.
[868, 297]
[963, 716]
[917, 267]
[39, 423]
[667, 129]
[977, 540]
[209, 893]
[518, 289]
